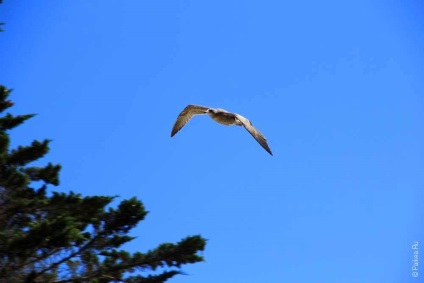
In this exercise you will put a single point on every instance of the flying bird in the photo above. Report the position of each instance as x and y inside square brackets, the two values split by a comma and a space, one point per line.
[220, 116]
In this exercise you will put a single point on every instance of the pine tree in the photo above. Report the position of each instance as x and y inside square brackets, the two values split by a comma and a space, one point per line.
[65, 237]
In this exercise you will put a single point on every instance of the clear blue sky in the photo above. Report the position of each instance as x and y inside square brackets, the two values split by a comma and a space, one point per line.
[335, 86]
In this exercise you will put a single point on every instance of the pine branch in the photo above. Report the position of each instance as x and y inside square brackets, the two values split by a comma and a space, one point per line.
[26, 154]
[9, 121]
[58, 263]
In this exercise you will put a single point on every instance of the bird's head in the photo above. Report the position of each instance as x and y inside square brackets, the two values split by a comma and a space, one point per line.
[211, 111]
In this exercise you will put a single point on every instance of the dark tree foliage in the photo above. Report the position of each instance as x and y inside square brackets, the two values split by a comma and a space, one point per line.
[65, 237]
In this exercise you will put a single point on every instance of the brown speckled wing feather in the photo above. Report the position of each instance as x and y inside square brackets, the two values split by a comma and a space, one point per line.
[259, 137]
[186, 115]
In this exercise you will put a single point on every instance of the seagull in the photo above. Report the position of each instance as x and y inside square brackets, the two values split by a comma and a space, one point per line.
[220, 116]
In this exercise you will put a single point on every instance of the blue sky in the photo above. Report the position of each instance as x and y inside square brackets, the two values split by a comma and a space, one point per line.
[336, 87]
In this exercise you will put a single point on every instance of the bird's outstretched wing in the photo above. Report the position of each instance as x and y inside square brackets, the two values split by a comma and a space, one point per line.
[186, 115]
[254, 132]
